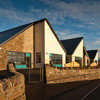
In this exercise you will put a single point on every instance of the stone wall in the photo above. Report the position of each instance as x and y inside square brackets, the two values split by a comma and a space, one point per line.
[3, 59]
[13, 88]
[22, 42]
[54, 75]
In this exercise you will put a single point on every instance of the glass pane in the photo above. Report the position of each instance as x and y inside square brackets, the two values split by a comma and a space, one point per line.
[21, 60]
[56, 60]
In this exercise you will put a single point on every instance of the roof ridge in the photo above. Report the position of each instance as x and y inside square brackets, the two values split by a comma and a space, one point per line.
[92, 53]
[71, 44]
[93, 50]
[73, 38]
[14, 28]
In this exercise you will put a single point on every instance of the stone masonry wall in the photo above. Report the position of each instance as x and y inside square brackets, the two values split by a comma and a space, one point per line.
[54, 75]
[13, 88]
[16, 44]
[22, 42]
[3, 59]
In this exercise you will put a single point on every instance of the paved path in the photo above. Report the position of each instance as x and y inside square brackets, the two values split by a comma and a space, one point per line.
[94, 95]
[88, 91]
[65, 91]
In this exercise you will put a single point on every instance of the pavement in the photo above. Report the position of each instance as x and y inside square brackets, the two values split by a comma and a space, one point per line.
[83, 90]
[80, 90]
[94, 94]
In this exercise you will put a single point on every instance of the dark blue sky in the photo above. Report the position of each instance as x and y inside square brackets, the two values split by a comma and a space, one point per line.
[69, 18]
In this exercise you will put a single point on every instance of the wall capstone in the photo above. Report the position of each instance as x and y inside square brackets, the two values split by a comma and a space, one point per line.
[13, 88]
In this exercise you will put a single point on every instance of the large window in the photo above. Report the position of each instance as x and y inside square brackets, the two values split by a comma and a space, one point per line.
[95, 61]
[78, 59]
[68, 59]
[91, 60]
[38, 57]
[56, 60]
[20, 59]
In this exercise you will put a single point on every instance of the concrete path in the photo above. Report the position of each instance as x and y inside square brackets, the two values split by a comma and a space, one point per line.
[65, 91]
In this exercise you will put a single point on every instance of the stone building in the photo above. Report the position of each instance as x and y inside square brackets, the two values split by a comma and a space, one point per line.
[31, 46]
[74, 48]
[93, 54]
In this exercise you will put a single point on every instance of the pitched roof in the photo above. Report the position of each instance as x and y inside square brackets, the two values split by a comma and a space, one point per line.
[5, 35]
[92, 53]
[71, 44]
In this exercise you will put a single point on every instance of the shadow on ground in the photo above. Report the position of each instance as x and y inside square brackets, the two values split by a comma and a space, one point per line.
[40, 91]
[61, 91]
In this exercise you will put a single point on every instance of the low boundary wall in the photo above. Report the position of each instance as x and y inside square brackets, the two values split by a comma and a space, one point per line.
[54, 75]
[13, 88]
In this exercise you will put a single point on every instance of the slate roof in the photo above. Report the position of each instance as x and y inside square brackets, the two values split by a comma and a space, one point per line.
[71, 44]
[5, 35]
[92, 53]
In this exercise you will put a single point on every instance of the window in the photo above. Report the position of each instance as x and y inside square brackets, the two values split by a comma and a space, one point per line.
[78, 59]
[91, 60]
[28, 59]
[56, 59]
[16, 57]
[19, 58]
[68, 59]
[95, 61]
[38, 57]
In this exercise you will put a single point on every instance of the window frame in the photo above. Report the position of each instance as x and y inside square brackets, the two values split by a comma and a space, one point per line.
[38, 57]
[18, 58]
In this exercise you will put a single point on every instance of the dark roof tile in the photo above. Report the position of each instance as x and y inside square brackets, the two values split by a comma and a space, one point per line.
[5, 35]
[92, 53]
[71, 44]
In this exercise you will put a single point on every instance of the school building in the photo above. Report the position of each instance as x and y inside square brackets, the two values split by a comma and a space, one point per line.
[31, 46]
[93, 54]
[74, 48]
